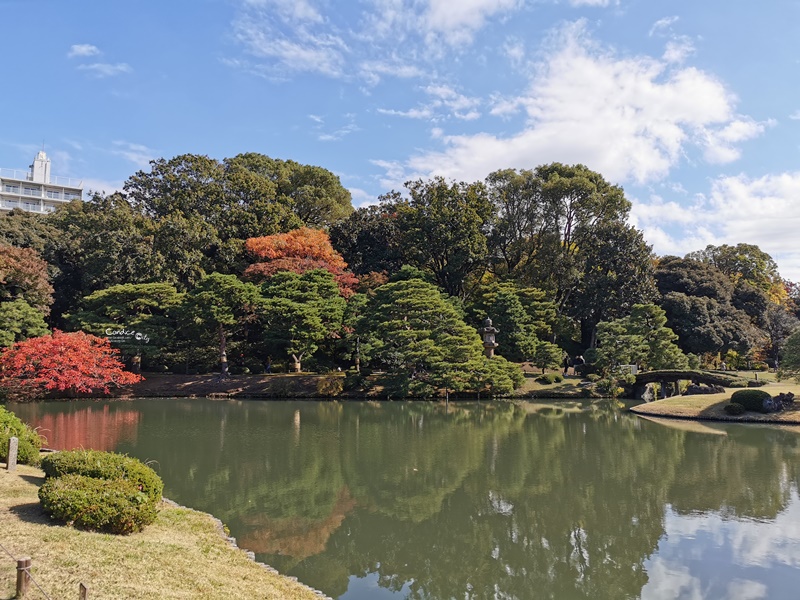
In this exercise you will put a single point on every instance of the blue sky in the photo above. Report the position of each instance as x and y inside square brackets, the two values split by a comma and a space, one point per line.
[693, 107]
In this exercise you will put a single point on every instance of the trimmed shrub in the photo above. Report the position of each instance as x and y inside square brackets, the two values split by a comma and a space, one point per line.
[30, 442]
[109, 505]
[734, 409]
[105, 465]
[751, 399]
[550, 378]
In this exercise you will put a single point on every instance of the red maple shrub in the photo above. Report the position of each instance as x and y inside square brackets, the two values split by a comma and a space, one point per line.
[75, 363]
[298, 251]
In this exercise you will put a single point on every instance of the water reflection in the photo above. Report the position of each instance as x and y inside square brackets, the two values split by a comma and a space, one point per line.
[477, 500]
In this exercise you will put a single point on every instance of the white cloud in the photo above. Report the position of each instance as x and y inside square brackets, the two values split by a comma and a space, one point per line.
[662, 25]
[138, 154]
[600, 3]
[630, 118]
[678, 50]
[457, 22]
[444, 102]
[106, 69]
[83, 50]
[101, 186]
[795, 116]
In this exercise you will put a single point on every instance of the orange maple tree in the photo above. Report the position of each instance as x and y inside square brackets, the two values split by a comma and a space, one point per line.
[298, 251]
[65, 362]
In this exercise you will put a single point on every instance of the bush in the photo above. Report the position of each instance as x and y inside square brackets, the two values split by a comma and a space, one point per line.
[734, 408]
[109, 505]
[760, 366]
[593, 377]
[550, 378]
[750, 399]
[30, 442]
[105, 465]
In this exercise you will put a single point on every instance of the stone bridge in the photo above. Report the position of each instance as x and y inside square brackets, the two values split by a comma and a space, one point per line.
[669, 381]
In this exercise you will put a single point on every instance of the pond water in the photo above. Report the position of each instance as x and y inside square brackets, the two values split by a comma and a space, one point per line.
[418, 500]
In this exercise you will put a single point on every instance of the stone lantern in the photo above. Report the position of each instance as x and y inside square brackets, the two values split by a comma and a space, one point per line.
[488, 332]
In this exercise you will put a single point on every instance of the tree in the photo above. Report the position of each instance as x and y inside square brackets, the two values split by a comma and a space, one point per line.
[780, 324]
[546, 355]
[23, 276]
[65, 362]
[617, 273]
[747, 263]
[443, 229]
[103, 242]
[20, 321]
[219, 307]
[298, 251]
[147, 309]
[302, 311]
[369, 240]
[420, 339]
[545, 218]
[315, 195]
[790, 364]
[649, 321]
[697, 298]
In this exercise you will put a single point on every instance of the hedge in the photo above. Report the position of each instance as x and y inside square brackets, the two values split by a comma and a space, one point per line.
[751, 399]
[105, 465]
[30, 442]
[108, 505]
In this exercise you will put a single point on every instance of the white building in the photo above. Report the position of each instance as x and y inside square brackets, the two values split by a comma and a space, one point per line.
[36, 191]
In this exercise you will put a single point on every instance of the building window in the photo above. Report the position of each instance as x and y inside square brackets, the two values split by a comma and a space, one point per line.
[31, 207]
[13, 189]
[31, 191]
[54, 194]
[71, 196]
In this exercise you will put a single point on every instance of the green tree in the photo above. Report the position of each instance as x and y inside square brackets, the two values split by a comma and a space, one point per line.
[149, 309]
[369, 240]
[546, 355]
[790, 363]
[697, 298]
[220, 307]
[617, 273]
[443, 230]
[302, 312]
[747, 263]
[420, 339]
[545, 218]
[20, 321]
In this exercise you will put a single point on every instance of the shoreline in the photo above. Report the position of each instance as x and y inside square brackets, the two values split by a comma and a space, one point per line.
[185, 553]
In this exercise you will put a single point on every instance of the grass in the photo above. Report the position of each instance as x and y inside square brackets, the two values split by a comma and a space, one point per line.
[182, 555]
[711, 406]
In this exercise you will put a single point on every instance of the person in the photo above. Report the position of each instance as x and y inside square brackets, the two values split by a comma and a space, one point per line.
[566, 363]
[268, 366]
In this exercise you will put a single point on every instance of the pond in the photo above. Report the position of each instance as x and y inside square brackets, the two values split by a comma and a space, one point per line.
[481, 500]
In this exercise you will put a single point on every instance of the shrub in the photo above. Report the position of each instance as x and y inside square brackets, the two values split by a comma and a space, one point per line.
[734, 408]
[750, 399]
[760, 366]
[105, 465]
[593, 377]
[30, 442]
[330, 385]
[109, 505]
[739, 383]
[550, 378]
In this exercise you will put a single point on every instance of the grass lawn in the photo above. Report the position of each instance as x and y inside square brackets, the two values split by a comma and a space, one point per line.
[181, 555]
[710, 406]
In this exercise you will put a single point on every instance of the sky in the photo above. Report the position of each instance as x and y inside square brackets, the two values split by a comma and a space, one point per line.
[693, 107]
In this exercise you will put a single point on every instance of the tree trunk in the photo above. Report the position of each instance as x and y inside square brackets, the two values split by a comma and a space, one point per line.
[297, 360]
[223, 355]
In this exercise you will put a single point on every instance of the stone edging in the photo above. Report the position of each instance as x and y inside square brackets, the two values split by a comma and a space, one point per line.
[251, 555]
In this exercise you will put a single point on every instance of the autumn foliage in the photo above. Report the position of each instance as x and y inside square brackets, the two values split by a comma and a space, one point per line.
[23, 276]
[63, 362]
[298, 251]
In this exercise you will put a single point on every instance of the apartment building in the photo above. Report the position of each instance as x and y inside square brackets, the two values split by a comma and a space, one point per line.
[35, 190]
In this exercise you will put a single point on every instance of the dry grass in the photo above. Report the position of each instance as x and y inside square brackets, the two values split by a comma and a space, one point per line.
[182, 555]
